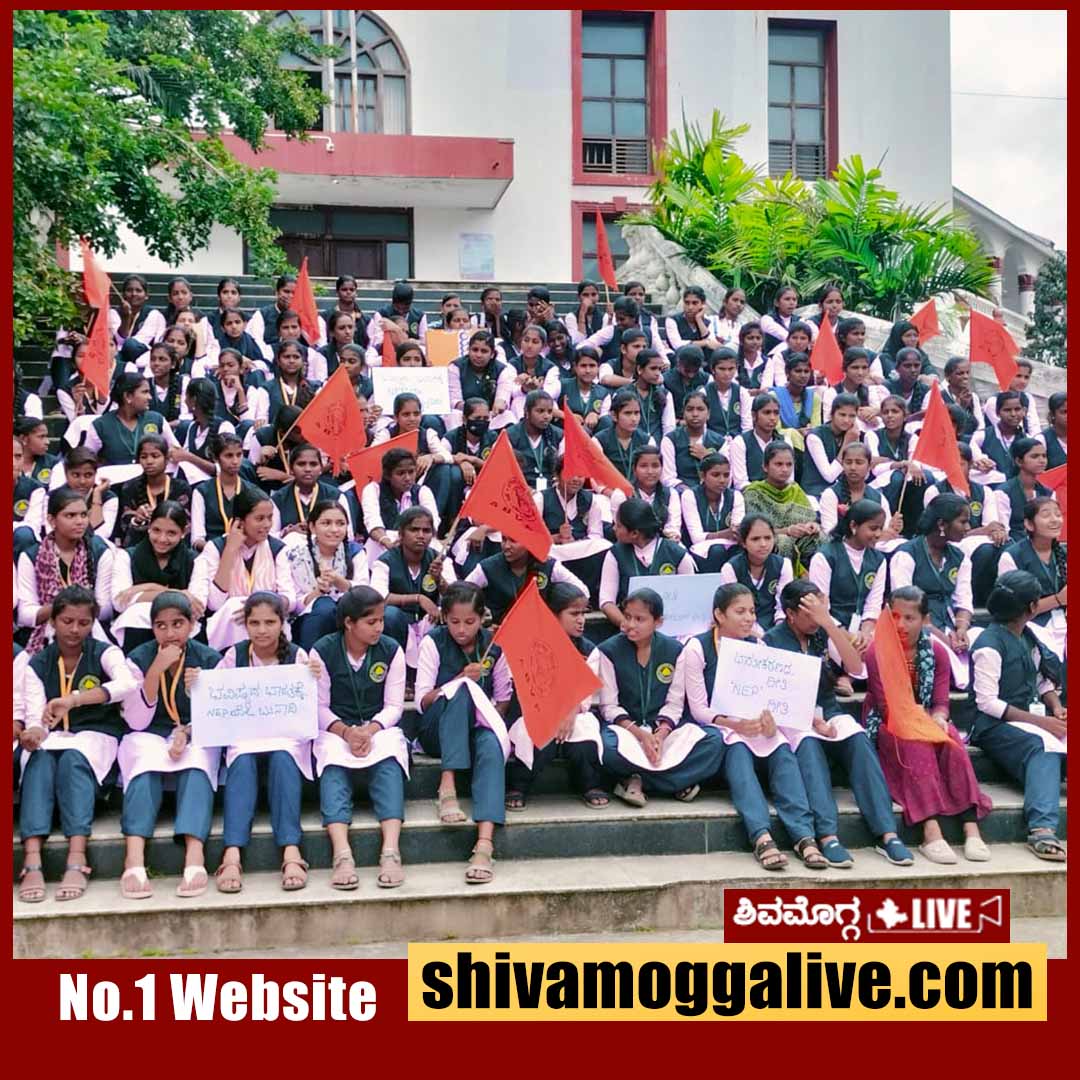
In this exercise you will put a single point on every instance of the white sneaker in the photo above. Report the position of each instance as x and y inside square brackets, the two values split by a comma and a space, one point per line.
[939, 852]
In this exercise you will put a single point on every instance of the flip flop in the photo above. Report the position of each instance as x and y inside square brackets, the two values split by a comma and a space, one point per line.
[142, 890]
[391, 875]
[194, 882]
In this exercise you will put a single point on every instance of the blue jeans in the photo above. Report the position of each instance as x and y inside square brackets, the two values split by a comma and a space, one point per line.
[283, 785]
[386, 788]
[317, 623]
[702, 763]
[54, 777]
[860, 763]
[449, 730]
[1022, 755]
[586, 771]
[194, 804]
[743, 768]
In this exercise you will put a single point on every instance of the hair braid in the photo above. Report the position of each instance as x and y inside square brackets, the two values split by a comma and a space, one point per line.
[1061, 558]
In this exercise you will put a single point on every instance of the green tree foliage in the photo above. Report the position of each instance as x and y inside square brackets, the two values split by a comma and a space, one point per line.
[1047, 336]
[757, 232]
[118, 117]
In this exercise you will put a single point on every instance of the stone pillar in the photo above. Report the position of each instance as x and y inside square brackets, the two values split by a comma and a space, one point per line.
[1025, 284]
[996, 262]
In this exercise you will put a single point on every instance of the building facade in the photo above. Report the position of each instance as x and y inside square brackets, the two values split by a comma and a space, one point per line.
[471, 145]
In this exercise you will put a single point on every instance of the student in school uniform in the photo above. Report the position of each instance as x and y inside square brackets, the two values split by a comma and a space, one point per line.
[728, 324]
[25, 403]
[752, 363]
[995, 440]
[908, 384]
[290, 384]
[241, 400]
[160, 561]
[478, 374]
[755, 754]
[361, 700]
[891, 445]
[746, 451]
[799, 400]
[533, 370]
[657, 407]
[37, 462]
[401, 306]
[181, 299]
[648, 486]
[245, 560]
[903, 335]
[619, 371]
[468, 447]
[194, 454]
[1030, 424]
[588, 318]
[140, 323]
[788, 508]
[836, 737]
[536, 440]
[285, 762]
[852, 485]
[856, 382]
[324, 567]
[830, 305]
[432, 461]
[294, 501]
[776, 324]
[685, 375]
[757, 565]
[263, 324]
[798, 340]
[72, 690]
[1054, 436]
[582, 393]
[635, 291]
[682, 450]
[851, 334]
[467, 728]
[212, 501]
[821, 462]
[28, 504]
[168, 384]
[383, 501]
[1020, 722]
[637, 668]
[1042, 554]
[935, 562]
[228, 296]
[639, 551]
[692, 325]
[928, 780]
[79, 400]
[79, 471]
[625, 317]
[578, 739]
[711, 513]
[69, 554]
[345, 304]
[139, 496]
[957, 391]
[158, 743]
[1029, 462]
[410, 578]
[232, 335]
[341, 331]
[114, 435]
[730, 412]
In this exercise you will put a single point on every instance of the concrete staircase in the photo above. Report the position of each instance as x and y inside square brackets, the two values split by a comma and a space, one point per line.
[561, 868]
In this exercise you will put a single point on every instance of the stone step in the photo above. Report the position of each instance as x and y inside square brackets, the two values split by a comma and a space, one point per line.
[654, 893]
[551, 826]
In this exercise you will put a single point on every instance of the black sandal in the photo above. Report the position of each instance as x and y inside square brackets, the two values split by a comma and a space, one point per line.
[596, 799]
[810, 854]
[769, 855]
[515, 800]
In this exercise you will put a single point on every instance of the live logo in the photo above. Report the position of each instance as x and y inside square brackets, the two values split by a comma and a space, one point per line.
[861, 915]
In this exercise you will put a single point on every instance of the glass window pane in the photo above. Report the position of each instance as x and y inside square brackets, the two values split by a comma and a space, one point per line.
[387, 57]
[590, 269]
[616, 241]
[308, 16]
[368, 30]
[588, 233]
[596, 78]
[804, 46]
[779, 123]
[629, 119]
[369, 224]
[809, 125]
[807, 85]
[779, 83]
[397, 261]
[394, 109]
[630, 78]
[595, 118]
[364, 62]
[311, 222]
[624, 39]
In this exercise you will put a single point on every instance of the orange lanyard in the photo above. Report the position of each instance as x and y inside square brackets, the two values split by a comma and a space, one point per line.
[301, 509]
[67, 683]
[225, 519]
[168, 692]
[164, 495]
[287, 396]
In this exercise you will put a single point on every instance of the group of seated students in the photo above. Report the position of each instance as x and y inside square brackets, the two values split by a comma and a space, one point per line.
[218, 537]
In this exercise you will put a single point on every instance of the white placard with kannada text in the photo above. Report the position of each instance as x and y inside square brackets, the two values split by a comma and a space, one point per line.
[430, 384]
[687, 600]
[229, 705]
[750, 678]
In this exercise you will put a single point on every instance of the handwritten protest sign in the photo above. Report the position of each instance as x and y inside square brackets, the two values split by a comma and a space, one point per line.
[229, 705]
[755, 677]
[687, 600]
[430, 384]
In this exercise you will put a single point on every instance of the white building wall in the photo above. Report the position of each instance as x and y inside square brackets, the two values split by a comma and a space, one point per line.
[507, 74]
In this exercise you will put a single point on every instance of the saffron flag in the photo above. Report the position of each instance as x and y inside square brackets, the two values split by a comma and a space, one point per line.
[904, 717]
[925, 321]
[304, 302]
[96, 283]
[389, 351]
[1056, 481]
[501, 499]
[825, 356]
[551, 677]
[334, 421]
[366, 465]
[937, 446]
[96, 364]
[605, 263]
[582, 457]
[992, 344]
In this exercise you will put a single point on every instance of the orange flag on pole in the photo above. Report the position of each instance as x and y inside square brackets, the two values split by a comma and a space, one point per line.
[992, 344]
[304, 303]
[925, 321]
[389, 350]
[825, 356]
[582, 457]
[904, 717]
[605, 263]
[937, 446]
[97, 362]
[334, 421]
[96, 283]
[366, 465]
[501, 499]
[1056, 481]
[551, 677]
